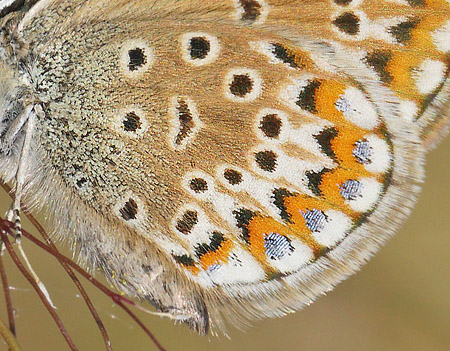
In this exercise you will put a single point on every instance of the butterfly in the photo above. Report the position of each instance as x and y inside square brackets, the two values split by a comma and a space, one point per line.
[226, 160]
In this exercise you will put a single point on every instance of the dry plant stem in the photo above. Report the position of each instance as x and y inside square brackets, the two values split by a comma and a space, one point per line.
[76, 281]
[8, 337]
[66, 263]
[8, 300]
[119, 300]
[43, 298]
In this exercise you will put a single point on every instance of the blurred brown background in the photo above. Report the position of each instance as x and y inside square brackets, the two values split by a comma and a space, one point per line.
[399, 301]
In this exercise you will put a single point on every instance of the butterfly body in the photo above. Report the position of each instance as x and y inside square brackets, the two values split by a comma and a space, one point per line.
[224, 159]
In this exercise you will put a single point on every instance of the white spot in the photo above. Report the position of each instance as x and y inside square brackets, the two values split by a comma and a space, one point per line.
[334, 230]
[224, 204]
[256, 84]
[380, 157]
[357, 108]
[240, 268]
[289, 94]
[429, 75]
[125, 115]
[408, 110]
[292, 169]
[129, 69]
[377, 29]
[178, 137]
[441, 37]
[211, 56]
[291, 260]
[367, 196]
[258, 189]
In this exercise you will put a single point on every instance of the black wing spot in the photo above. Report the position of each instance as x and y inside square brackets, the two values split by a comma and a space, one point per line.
[233, 177]
[306, 98]
[129, 210]
[271, 125]
[137, 59]
[132, 122]
[241, 85]
[198, 185]
[199, 48]
[252, 10]
[266, 160]
[186, 223]
[348, 23]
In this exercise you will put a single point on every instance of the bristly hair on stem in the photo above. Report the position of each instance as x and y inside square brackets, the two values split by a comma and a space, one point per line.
[8, 333]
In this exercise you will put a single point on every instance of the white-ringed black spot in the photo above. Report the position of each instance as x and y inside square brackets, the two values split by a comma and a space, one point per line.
[270, 125]
[186, 119]
[187, 222]
[241, 85]
[129, 210]
[198, 185]
[266, 160]
[251, 10]
[199, 47]
[132, 122]
[80, 182]
[233, 177]
[342, 2]
[137, 58]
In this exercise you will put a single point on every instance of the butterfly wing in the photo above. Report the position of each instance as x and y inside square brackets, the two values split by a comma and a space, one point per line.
[406, 42]
[228, 159]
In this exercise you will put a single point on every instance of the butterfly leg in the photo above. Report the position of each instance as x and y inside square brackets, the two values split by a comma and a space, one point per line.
[24, 122]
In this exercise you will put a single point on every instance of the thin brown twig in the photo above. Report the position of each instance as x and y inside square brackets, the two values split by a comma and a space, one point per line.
[76, 281]
[8, 226]
[66, 262]
[119, 300]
